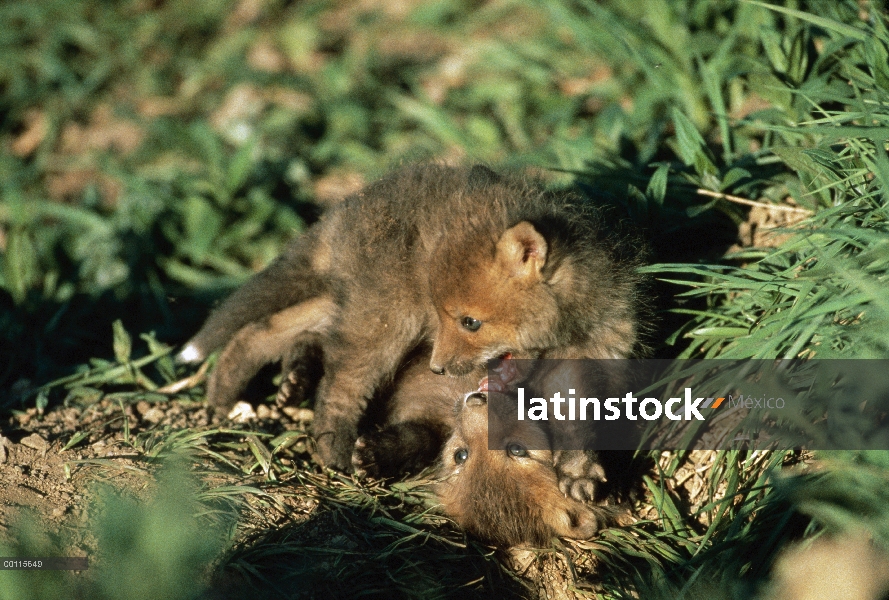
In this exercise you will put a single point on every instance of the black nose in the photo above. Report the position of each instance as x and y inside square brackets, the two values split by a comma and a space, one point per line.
[437, 369]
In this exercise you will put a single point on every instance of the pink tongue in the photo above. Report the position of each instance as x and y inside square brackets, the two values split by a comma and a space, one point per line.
[491, 385]
[505, 373]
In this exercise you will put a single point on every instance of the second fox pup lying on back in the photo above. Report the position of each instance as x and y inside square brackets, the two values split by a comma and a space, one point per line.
[473, 263]
[507, 495]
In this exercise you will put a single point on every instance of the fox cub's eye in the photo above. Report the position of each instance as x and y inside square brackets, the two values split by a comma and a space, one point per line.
[461, 455]
[517, 450]
[470, 324]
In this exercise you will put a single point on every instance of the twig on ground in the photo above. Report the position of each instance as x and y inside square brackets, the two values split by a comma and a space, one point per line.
[766, 205]
[188, 382]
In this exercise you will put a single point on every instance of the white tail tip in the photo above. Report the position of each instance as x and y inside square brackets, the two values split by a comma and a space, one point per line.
[190, 354]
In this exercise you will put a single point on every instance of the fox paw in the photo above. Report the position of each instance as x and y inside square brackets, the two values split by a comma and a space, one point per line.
[383, 454]
[580, 474]
[334, 451]
[291, 391]
[298, 383]
[287, 390]
[364, 457]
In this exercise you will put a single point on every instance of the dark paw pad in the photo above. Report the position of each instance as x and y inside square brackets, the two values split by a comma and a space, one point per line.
[380, 454]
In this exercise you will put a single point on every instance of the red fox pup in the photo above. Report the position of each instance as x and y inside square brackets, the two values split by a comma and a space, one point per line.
[474, 264]
[508, 495]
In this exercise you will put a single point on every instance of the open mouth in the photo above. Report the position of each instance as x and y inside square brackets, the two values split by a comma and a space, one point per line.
[500, 376]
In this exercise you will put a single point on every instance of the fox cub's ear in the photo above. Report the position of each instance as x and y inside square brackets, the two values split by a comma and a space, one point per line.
[522, 251]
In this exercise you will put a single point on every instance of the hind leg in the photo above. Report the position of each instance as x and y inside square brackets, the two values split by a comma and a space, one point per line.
[289, 280]
[301, 369]
[260, 343]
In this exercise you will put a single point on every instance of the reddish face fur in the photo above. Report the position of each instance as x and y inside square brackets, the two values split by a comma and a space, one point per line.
[510, 495]
[494, 303]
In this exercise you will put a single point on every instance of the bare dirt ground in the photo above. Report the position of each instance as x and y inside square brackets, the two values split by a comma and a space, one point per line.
[50, 463]
[53, 466]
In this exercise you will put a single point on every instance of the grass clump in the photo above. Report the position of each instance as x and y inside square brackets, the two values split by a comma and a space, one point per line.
[818, 292]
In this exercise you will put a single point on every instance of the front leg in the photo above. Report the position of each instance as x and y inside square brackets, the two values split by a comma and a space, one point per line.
[579, 470]
[348, 384]
[361, 355]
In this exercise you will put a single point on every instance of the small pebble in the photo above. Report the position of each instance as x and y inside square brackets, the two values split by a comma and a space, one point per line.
[35, 442]
[300, 415]
[153, 415]
[242, 412]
